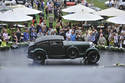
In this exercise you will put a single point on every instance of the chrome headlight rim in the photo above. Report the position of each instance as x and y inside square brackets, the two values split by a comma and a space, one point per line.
[92, 45]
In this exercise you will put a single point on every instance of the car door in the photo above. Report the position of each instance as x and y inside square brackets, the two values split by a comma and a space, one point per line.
[56, 49]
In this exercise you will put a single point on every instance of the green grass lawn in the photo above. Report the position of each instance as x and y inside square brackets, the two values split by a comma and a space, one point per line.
[98, 3]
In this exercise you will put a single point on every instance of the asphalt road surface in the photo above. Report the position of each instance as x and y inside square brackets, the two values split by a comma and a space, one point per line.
[15, 67]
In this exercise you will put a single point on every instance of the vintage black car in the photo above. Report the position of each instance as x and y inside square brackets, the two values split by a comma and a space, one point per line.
[55, 47]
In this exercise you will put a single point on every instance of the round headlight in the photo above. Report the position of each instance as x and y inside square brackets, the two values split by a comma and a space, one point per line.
[92, 45]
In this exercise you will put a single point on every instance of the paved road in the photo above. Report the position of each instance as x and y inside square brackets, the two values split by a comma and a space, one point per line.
[15, 67]
[18, 57]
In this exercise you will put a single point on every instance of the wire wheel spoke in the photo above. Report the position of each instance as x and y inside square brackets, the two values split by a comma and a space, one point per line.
[72, 53]
[93, 58]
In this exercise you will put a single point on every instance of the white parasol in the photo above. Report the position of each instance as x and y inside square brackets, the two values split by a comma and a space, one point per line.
[111, 12]
[78, 8]
[27, 11]
[11, 16]
[81, 16]
[117, 20]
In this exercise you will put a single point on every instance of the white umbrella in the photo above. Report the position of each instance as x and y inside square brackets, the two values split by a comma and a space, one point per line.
[78, 8]
[11, 16]
[111, 12]
[81, 16]
[17, 6]
[27, 11]
[117, 20]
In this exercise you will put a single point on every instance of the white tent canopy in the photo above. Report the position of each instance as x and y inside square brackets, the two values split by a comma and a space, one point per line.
[111, 12]
[78, 8]
[81, 16]
[27, 11]
[117, 20]
[11, 16]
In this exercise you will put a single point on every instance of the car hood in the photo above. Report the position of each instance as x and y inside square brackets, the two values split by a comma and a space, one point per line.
[75, 43]
[31, 44]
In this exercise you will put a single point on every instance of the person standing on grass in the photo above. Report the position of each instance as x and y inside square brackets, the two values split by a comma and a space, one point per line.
[92, 37]
[102, 40]
[32, 3]
[26, 35]
[86, 36]
[31, 28]
[50, 7]
[47, 3]
[33, 35]
[68, 35]
[5, 35]
[123, 40]
[46, 11]
[51, 19]
[42, 5]
[73, 36]
[14, 38]
[35, 4]
[110, 3]
[55, 13]
[111, 39]
[34, 20]
[38, 5]
[41, 19]
[18, 34]
[116, 38]
[59, 13]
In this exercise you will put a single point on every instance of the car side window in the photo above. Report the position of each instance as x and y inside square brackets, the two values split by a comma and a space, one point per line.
[56, 43]
[43, 43]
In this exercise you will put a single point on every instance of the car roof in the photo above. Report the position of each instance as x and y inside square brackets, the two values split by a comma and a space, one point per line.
[49, 37]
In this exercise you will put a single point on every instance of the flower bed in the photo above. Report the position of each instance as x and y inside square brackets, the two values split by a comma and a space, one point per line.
[100, 47]
[23, 44]
[110, 48]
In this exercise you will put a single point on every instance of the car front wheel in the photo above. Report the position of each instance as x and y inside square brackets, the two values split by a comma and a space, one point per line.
[39, 57]
[92, 57]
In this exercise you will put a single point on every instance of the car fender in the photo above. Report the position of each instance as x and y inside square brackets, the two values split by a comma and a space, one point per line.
[40, 49]
[92, 49]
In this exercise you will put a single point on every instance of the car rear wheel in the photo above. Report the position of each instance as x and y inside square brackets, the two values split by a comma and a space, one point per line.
[92, 57]
[39, 57]
[72, 53]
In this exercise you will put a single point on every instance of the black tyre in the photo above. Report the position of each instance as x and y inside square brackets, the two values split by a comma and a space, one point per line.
[92, 57]
[39, 57]
[72, 53]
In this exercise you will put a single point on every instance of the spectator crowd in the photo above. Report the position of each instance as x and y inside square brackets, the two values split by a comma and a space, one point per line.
[110, 34]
